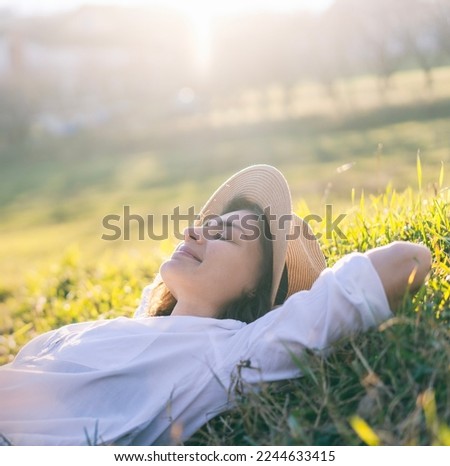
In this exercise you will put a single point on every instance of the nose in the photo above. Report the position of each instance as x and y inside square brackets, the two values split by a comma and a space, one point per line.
[194, 233]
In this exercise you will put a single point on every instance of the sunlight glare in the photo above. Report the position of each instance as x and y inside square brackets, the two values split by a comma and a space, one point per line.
[201, 14]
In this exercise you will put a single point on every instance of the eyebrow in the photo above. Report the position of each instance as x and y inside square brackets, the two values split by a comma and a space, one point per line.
[232, 224]
[228, 223]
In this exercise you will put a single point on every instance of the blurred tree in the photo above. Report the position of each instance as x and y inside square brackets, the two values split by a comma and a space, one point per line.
[379, 28]
[440, 20]
[332, 46]
[142, 56]
[134, 62]
[351, 37]
[16, 114]
[385, 35]
[420, 36]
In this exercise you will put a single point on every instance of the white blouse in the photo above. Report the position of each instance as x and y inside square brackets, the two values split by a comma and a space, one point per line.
[156, 380]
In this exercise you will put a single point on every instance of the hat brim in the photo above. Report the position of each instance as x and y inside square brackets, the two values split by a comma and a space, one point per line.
[265, 186]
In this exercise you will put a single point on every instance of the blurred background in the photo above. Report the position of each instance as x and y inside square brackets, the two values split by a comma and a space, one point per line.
[151, 104]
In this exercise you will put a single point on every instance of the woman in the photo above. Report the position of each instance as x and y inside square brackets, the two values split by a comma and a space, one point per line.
[245, 291]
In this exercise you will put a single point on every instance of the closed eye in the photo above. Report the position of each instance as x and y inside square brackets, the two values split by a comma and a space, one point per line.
[223, 237]
[219, 230]
[224, 234]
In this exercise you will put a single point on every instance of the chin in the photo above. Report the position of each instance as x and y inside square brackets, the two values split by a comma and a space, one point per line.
[172, 272]
[165, 269]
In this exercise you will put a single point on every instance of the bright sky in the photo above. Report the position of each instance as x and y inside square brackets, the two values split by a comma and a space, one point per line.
[212, 7]
[200, 12]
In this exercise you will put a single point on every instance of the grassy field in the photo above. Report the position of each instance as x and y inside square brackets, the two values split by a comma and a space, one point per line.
[358, 153]
[55, 191]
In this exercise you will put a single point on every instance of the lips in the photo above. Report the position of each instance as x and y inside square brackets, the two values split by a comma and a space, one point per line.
[185, 251]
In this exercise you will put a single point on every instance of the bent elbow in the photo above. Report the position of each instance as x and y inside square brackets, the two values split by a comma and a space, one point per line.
[402, 267]
[422, 261]
[417, 261]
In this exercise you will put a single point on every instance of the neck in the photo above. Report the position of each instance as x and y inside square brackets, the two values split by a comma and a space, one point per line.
[194, 308]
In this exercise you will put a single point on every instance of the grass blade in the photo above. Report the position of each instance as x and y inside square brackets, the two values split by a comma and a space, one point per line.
[419, 170]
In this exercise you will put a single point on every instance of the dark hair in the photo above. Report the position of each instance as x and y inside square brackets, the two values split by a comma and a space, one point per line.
[247, 307]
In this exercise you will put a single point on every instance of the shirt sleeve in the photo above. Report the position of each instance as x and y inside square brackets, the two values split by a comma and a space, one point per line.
[346, 299]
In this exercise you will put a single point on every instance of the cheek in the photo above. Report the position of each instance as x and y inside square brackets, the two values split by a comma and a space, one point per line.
[240, 269]
[251, 272]
[254, 266]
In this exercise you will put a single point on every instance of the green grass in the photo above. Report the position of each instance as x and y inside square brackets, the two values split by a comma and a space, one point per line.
[390, 386]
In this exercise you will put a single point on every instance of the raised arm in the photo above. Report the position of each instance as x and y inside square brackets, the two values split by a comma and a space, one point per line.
[402, 268]
[357, 293]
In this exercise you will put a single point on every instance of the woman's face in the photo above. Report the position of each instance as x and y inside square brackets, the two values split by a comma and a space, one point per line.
[215, 264]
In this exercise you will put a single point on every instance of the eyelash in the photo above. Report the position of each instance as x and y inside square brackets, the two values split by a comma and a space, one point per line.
[218, 236]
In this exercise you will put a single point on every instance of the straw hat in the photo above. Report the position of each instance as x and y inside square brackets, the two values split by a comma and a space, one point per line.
[297, 257]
